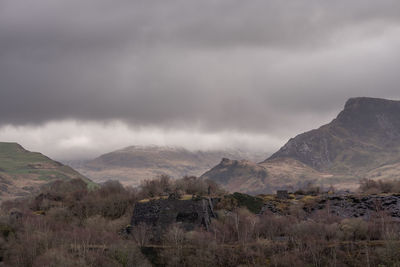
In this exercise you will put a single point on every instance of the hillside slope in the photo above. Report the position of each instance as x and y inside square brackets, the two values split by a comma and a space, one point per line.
[133, 164]
[23, 172]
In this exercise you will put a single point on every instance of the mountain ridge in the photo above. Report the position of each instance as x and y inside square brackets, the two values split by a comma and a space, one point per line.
[363, 141]
[365, 132]
[133, 164]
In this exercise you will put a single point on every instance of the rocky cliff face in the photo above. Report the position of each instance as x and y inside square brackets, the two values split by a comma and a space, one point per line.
[365, 135]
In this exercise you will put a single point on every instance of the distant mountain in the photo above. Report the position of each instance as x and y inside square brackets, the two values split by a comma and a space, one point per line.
[23, 172]
[133, 164]
[363, 141]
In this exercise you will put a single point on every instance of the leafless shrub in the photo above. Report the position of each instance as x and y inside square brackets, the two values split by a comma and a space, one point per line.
[127, 253]
[164, 186]
[58, 258]
[142, 233]
[309, 188]
[354, 229]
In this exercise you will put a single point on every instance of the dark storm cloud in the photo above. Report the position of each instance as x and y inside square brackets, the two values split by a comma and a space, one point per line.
[248, 65]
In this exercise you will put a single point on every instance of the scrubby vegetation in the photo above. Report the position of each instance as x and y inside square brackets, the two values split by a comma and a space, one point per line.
[69, 225]
[164, 186]
[369, 186]
[238, 200]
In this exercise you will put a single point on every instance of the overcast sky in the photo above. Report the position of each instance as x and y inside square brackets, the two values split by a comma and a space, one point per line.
[83, 77]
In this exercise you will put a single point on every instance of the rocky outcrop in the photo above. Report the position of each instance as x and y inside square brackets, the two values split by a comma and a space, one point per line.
[228, 169]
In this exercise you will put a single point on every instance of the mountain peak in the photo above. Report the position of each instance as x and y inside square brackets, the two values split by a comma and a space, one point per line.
[356, 102]
[369, 104]
[365, 116]
[10, 147]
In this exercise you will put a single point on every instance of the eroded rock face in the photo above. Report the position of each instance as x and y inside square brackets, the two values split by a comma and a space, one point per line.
[159, 214]
[312, 148]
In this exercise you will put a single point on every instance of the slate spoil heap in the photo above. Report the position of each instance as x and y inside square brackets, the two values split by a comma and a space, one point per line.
[345, 206]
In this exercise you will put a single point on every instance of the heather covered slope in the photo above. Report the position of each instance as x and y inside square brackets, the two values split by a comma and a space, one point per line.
[133, 164]
[23, 172]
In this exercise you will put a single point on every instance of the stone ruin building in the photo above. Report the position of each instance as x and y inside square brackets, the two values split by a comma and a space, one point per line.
[161, 213]
[282, 194]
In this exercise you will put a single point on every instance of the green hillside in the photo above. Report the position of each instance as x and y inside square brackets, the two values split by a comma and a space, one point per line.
[23, 172]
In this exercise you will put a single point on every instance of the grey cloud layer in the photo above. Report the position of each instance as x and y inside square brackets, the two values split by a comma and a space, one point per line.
[248, 65]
